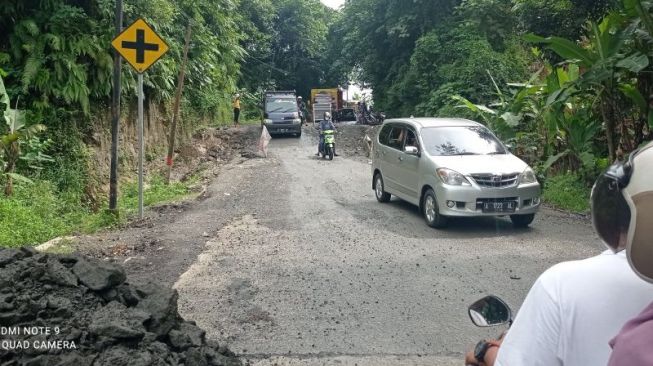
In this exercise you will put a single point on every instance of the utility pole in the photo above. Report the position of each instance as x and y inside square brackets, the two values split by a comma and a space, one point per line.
[175, 113]
[115, 116]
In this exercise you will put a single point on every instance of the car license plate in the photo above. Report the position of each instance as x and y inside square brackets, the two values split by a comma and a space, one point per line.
[501, 207]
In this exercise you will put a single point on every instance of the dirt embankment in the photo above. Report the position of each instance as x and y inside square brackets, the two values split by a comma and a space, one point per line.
[210, 148]
[212, 151]
[211, 143]
[70, 310]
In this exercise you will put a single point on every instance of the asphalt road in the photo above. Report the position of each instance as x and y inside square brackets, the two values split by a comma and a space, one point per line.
[313, 271]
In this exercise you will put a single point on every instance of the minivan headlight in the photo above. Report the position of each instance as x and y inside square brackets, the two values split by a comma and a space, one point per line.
[267, 121]
[528, 176]
[452, 177]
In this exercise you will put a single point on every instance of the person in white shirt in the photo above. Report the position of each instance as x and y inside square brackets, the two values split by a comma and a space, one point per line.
[575, 308]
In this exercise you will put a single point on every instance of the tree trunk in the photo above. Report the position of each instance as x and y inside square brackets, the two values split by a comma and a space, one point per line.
[9, 187]
[608, 118]
[175, 111]
[13, 154]
[645, 87]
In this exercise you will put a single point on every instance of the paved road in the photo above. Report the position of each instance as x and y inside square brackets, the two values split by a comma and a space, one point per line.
[313, 271]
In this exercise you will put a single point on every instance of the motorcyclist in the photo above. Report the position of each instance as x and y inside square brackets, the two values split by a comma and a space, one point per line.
[325, 124]
[575, 308]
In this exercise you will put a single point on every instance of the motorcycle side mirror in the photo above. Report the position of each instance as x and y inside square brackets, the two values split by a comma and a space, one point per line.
[411, 150]
[490, 311]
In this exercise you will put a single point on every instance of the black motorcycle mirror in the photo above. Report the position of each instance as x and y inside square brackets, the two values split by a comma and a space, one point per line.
[490, 311]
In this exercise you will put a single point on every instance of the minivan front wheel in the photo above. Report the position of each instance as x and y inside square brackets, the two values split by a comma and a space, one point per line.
[522, 221]
[432, 212]
[381, 195]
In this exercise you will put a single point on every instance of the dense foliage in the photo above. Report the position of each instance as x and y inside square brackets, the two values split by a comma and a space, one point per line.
[56, 62]
[287, 46]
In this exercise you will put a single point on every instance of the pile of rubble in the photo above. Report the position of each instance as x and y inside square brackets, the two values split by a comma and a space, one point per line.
[70, 310]
[221, 144]
[210, 147]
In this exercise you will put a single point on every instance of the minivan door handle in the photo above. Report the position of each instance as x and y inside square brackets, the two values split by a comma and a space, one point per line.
[400, 158]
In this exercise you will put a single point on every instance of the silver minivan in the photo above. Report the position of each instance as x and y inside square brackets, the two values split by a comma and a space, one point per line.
[452, 167]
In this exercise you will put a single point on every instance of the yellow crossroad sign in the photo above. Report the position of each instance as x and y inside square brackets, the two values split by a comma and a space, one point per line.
[140, 45]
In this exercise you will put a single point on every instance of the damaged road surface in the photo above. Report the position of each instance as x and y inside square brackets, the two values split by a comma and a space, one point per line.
[313, 271]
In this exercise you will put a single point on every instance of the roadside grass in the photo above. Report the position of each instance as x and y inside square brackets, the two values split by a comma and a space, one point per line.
[567, 192]
[38, 213]
[154, 193]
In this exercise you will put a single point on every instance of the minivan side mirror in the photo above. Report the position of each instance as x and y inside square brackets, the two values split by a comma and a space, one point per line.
[411, 150]
[490, 311]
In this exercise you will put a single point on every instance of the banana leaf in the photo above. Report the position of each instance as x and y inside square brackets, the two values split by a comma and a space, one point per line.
[20, 178]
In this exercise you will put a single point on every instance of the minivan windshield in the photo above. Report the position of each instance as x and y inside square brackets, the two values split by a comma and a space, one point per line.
[462, 140]
[281, 105]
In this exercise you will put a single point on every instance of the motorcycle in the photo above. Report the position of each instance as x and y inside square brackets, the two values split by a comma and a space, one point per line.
[371, 117]
[379, 117]
[489, 311]
[327, 148]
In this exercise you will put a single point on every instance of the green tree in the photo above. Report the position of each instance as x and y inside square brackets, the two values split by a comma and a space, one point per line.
[380, 37]
[456, 60]
[562, 18]
[606, 61]
[257, 24]
[14, 134]
[300, 46]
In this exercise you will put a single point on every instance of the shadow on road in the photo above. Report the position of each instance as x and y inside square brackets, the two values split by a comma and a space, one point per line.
[404, 219]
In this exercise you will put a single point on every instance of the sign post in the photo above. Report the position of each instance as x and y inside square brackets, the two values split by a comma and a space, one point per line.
[141, 145]
[141, 47]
